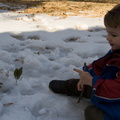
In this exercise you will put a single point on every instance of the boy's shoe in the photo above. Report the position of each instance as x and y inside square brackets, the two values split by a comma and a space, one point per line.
[58, 86]
[68, 87]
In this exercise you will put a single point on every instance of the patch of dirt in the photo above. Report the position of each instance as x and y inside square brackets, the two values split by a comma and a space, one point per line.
[64, 8]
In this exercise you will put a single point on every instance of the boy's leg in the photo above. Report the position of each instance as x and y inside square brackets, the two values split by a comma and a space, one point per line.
[93, 113]
[69, 87]
[72, 89]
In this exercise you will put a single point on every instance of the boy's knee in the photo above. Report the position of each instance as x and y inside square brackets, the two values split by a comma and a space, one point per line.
[87, 113]
[93, 113]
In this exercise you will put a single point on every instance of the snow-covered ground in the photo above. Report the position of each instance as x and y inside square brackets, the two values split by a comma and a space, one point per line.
[47, 48]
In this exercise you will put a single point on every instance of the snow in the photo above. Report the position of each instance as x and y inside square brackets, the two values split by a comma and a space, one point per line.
[47, 48]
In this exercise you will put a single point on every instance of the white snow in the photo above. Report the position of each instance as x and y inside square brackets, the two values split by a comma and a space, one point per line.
[47, 48]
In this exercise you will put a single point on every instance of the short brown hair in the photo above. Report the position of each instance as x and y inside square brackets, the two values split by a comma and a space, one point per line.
[112, 17]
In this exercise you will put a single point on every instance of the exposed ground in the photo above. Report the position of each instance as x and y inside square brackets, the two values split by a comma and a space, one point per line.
[61, 8]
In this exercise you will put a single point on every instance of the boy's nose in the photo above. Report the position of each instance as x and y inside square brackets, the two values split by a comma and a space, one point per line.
[108, 38]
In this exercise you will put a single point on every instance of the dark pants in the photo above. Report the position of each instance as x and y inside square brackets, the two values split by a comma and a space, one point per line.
[91, 112]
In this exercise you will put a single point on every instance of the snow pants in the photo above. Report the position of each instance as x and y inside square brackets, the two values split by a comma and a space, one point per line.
[91, 112]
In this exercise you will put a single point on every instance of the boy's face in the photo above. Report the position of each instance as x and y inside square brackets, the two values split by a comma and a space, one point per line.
[113, 37]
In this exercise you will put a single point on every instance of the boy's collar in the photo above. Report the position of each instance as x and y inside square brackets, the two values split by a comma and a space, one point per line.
[118, 51]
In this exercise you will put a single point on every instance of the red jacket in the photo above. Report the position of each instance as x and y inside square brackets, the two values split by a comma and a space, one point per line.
[106, 84]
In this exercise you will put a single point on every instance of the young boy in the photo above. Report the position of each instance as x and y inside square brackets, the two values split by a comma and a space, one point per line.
[101, 79]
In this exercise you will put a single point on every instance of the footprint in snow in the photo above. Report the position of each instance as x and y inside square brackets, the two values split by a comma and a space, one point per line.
[75, 39]
[21, 37]
[18, 36]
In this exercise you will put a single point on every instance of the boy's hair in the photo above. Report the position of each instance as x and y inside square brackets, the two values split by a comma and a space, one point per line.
[112, 17]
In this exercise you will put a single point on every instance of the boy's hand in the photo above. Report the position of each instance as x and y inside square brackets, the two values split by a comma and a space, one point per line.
[79, 86]
[85, 79]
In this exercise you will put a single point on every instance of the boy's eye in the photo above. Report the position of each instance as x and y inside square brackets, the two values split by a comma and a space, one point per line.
[113, 35]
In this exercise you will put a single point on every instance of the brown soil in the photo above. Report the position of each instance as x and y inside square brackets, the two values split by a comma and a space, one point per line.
[65, 8]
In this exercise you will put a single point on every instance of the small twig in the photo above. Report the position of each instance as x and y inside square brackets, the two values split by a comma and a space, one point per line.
[81, 94]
